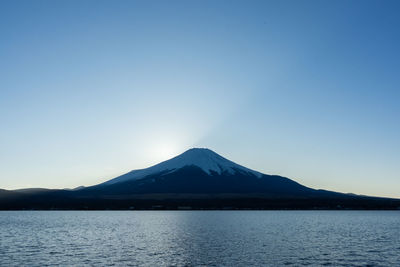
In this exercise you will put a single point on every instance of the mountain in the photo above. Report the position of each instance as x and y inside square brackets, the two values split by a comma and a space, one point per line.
[205, 159]
[198, 178]
[199, 171]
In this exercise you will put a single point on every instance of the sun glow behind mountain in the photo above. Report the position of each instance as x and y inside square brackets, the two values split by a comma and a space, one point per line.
[165, 151]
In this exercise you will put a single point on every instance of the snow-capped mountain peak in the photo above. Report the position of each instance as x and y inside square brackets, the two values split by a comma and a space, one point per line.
[204, 158]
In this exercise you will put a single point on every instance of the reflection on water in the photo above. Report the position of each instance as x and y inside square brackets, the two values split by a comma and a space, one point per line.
[192, 238]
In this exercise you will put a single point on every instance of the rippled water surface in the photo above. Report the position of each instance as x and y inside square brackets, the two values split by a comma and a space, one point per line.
[192, 238]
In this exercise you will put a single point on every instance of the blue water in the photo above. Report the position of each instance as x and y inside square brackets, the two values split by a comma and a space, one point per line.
[193, 238]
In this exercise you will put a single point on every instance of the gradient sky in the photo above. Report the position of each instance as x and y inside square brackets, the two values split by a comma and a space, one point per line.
[304, 89]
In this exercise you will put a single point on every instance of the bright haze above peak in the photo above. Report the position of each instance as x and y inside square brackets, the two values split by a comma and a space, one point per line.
[204, 158]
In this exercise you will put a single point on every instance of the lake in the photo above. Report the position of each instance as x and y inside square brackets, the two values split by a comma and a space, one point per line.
[195, 238]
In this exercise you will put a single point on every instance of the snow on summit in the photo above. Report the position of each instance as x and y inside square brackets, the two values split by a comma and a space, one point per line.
[203, 158]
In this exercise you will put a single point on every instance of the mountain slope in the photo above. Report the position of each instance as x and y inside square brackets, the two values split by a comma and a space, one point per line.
[200, 171]
[193, 180]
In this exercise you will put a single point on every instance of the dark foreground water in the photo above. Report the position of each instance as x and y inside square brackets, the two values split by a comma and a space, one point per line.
[192, 238]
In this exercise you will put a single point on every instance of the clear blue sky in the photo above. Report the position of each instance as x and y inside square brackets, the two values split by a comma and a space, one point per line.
[304, 89]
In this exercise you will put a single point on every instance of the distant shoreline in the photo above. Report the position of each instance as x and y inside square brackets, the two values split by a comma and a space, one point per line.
[349, 203]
